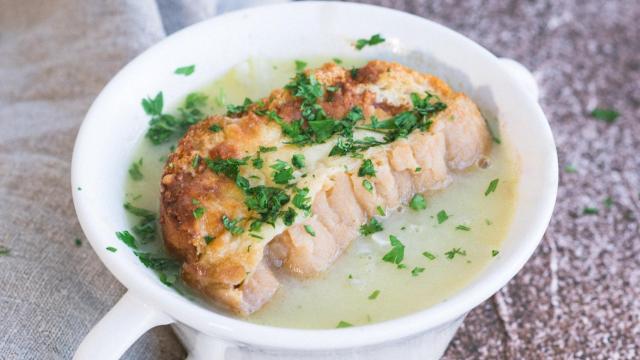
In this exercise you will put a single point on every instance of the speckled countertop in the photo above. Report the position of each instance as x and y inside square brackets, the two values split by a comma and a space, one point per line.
[579, 295]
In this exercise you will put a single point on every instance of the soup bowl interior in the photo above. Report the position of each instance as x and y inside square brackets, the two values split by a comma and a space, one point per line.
[116, 122]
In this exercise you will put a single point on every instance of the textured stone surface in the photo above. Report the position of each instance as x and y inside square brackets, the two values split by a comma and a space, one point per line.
[579, 295]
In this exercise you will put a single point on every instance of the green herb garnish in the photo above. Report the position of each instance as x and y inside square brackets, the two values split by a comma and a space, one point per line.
[236, 110]
[494, 253]
[208, 239]
[492, 187]
[370, 227]
[198, 212]
[380, 210]
[232, 225]
[135, 172]
[337, 61]
[309, 230]
[463, 227]
[374, 295]
[343, 324]
[127, 238]
[146, 228]
[442, 216]
[367, 169]
[163, 127]
[283, 172]
[112, 249]
[373, 40]
[428, 255]
[570, 169]
[185, 70]
[418, 202]
[607, 115]
[416, 271]
[298, 161]
[229, 167]
[590, 210]
[453, 252]
[300, 65]
[215, 128]
[396, 254]
[367, 185]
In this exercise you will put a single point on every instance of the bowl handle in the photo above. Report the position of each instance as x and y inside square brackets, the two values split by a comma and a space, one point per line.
[119, 328]
[522, 75]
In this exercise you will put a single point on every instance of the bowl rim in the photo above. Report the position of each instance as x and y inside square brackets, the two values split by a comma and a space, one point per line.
[225, 327]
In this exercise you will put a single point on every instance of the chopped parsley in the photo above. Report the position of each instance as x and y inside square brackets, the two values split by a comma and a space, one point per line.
[370, 227]
[288, 216]
[463, 227]
[309, 230]
[267, 202]
[416, 271]
[163, 127]
[215, 128]
[418, 169]
[453, 252]
[373, 40]
[112, 249]
[283, 172]
[146, 228]
[298, 160]
[374, 295]
[343, 324]
[236, 110]
[570, 169]
[229, 167]
[78, 242]
[418, 202]
[301, 200]
[608, 202]
[590, 210]
[607, 115]
[380, 210]
[337, 61]
[494, 253]
[208, 239]
[492, 132]
[492, 187]
[232, 225]
[198, 212]
[300, 65]
[135, 172]
[367, 185]
[396, 254]
[442, 216]
[127, 238]
[196, 161]
[428, 255]
[185, 70]
[367, 169]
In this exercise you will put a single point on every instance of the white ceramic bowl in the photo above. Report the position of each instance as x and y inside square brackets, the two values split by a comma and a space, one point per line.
[116, 122]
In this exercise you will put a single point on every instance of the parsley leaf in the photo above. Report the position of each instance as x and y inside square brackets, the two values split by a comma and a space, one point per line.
[373, 40]
[492, 187]
[232, 225]
[309, 230]
[185, 70]
[300, 65]
[374, 295]
[298, 161]
[283, 172]
[370, 227]
[428, 255]
[416, 271]
[607, 115]
[367, 169]
[418, 202]
[343, 324]
[229, 167]
[463, 227]
[215, 128]
[494, 253]
[127, 238]
[146, 229]
[112, 249]
[442, 216]
[453, 252]
[367, 185]
[135, 172]
[396, 254]
[267, 202]
[153, 106]
[590, 211]
[301, 200]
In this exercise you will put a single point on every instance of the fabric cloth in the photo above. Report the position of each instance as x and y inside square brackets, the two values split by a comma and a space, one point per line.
[578, 297]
